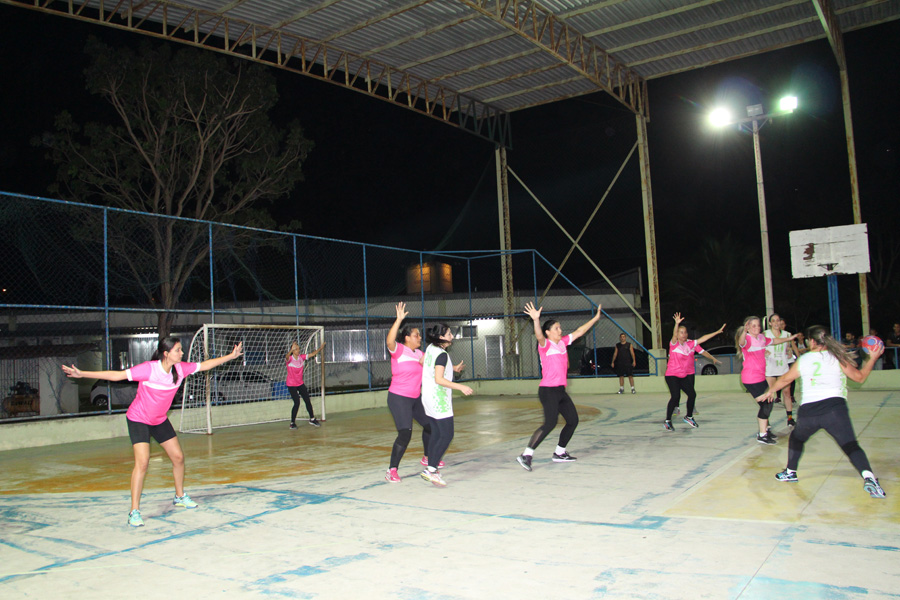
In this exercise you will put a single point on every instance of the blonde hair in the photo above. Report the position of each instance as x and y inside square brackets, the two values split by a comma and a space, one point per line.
[819, 334]
[742, 330]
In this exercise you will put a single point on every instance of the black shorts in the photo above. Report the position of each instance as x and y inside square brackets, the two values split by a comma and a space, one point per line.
[140, 432]
[757, 389]
[625, 370]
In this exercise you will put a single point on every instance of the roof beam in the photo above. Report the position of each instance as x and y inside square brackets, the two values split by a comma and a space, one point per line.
[376, 19]
[832, 30]
[708, 25]
[241, 39]
[546, 30]
[419, 35]
[653, 17]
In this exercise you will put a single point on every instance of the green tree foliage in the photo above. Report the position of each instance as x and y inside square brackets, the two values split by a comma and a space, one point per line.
[189, 135]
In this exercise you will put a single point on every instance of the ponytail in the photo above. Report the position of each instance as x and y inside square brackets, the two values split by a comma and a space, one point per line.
[819, 334]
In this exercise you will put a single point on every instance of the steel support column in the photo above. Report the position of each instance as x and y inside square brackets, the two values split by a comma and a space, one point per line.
[511, 363]
[649, 232]
[830, 24]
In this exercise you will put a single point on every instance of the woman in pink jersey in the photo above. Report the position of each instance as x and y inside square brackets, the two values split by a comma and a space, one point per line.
[680, 370]
[752, 346]
[405, 392]
[552, 390]
[159, 380]
[294, 362]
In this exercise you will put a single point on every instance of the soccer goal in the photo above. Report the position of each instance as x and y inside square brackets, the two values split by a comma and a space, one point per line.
[251, 389]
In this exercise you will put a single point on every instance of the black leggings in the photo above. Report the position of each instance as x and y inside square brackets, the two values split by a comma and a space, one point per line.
[555, 401]
[832, 416]
[756, 390]
[441, 436]
[296, 392]
[404, 410]
[676, 386]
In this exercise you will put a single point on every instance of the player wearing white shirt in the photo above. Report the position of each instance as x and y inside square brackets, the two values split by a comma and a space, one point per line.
[778, 359]
[823, 373]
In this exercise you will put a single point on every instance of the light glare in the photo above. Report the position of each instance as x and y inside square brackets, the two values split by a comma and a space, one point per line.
[720, 117]
[788, 103]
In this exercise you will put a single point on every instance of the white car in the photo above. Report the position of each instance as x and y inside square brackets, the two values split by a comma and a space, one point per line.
[725, 355]
[240, 385]
[121, 393]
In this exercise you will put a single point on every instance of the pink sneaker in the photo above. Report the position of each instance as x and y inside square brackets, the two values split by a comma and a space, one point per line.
[424, 462]
[433, 477]
[391, 476]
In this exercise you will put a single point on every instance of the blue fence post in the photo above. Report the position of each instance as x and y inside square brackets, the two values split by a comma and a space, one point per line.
[366, 310]
[471, 317]
[106, 304]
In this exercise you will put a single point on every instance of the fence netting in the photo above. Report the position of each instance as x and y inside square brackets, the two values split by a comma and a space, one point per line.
[94, 286]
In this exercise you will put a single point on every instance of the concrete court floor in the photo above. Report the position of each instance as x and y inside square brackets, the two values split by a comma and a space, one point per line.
[306, 514]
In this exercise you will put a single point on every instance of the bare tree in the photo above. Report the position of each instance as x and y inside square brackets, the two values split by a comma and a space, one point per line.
[189, 136]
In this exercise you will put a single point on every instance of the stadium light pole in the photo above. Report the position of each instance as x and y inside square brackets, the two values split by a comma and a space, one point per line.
[755, 120]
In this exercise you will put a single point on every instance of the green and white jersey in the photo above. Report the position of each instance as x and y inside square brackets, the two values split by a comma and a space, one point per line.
[437, 399]
[821, 377]
[778, 358]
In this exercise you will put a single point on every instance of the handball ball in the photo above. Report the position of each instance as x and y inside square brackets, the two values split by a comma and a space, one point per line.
[870, 342]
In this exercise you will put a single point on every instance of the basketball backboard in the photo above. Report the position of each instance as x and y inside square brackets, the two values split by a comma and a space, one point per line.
[842, 250]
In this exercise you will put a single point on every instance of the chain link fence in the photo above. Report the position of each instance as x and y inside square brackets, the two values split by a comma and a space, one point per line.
[93, 286]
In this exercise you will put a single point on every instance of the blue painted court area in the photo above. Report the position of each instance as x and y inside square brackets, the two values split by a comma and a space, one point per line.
[643, 513]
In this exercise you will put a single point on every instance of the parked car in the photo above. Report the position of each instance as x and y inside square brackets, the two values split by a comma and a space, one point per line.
[122, 393]
[239, 385]
[725, 354]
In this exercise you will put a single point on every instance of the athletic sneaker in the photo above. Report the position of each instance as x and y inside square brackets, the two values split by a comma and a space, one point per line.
[770, 434]
[791, 422]
[871, 486]
[424, 462]
[434, 477]
[690, 421]
[765, 439]
[293, 426]
[564, 457]
[786, 475]
[621, 391]
[184, 501]
[315, 421]
[632, 391]
[392, 476]
[135, 520]
[668, 426]
[677, 410]
[525, 461]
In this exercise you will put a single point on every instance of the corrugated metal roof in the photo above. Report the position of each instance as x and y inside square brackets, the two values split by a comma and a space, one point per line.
[488, 54]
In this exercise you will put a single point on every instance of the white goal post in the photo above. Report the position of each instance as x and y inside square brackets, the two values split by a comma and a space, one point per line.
[251, 389]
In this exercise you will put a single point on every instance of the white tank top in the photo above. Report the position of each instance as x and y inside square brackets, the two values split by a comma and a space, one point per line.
[821, 377]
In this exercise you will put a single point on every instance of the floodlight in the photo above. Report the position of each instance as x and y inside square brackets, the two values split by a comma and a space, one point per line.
[788, 104]
[720, 117]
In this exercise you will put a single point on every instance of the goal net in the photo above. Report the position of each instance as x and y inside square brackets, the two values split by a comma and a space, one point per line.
[250, 389]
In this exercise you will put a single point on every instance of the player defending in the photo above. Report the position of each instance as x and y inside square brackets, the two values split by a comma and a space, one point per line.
[159, 380]
[552, 391]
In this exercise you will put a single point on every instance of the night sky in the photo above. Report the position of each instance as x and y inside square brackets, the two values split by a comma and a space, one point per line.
[382, 164]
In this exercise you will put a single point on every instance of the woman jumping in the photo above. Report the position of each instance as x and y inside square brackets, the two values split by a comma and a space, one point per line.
[552, 390]
[823, 373]
[404, 394]
[680, 370]
[159, 380]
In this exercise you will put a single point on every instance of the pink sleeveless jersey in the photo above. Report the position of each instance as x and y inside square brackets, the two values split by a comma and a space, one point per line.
[406, 372]
[681, 358]
[155, 390]
[295, 370]
[754, 352]
[554, 361]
